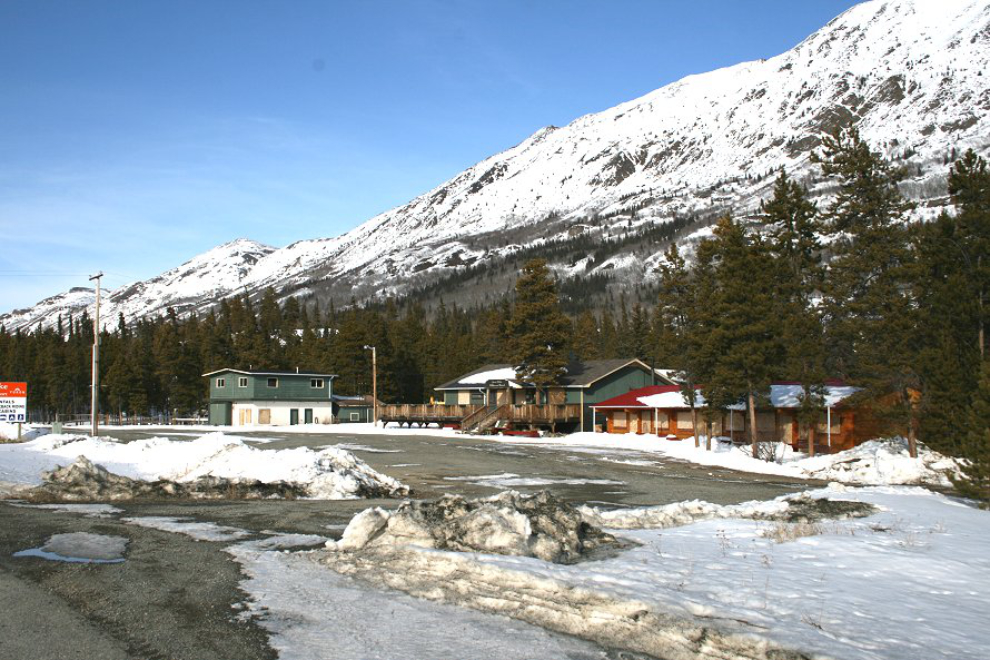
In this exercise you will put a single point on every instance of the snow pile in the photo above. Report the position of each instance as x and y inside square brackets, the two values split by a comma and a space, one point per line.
[212, 465]
[726, 586]
[309, 610]
[510, 524]
[877, 462]
[883, 461]
[796, 508]
[8, 432]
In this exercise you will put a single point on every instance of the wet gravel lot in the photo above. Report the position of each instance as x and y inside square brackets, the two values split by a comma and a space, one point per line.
[175, 597]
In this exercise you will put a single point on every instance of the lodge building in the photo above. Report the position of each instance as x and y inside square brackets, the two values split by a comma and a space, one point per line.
[240, 397]
[666, 412]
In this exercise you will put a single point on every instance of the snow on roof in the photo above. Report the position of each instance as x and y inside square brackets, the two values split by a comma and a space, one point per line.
[482, 377]
[782, 395]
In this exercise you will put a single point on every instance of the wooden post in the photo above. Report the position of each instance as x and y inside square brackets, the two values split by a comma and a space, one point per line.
[751, 400]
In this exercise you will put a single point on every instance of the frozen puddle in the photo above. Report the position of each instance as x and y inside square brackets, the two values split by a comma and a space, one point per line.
[80, 548]
[198, 530]
[89, 510]
[366, 449]
[510, 480]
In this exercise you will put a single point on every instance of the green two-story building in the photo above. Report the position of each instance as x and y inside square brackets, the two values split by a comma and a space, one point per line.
[240, 397]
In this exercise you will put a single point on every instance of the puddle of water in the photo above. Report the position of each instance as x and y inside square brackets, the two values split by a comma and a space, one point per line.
[80, 548]
[52, 556]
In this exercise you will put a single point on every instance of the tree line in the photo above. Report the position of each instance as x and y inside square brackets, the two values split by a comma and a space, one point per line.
[849, 290]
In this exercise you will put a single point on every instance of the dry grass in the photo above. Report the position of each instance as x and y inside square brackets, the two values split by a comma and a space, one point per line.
[782, 532]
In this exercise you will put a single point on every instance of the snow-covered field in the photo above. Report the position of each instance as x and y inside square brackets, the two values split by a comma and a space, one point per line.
[327, 473]
[909, 581]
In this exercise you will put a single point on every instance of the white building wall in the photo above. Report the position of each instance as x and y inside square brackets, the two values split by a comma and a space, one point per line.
[249, 414]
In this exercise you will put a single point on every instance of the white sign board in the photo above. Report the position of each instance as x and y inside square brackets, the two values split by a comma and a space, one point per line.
[13, 402]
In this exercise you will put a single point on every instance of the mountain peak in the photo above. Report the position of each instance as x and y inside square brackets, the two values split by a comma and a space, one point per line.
[908, 73]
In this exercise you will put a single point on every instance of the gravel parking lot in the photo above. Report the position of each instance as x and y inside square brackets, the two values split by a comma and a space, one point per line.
[175, 597]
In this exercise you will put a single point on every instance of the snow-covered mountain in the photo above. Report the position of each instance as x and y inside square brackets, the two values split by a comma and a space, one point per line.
[909, 73]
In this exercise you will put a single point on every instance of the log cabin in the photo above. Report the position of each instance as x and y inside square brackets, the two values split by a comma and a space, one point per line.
[665, 411]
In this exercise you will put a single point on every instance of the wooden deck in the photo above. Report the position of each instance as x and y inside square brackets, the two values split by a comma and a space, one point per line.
[408, 414]
[479, 418]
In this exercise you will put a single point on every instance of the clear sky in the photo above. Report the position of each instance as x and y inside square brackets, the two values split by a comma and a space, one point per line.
[135, 135]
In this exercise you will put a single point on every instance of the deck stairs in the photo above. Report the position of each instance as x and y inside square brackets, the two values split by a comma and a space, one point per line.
[484, 419]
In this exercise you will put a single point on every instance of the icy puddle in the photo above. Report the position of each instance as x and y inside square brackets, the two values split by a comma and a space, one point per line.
[80, 548]
[510, 480]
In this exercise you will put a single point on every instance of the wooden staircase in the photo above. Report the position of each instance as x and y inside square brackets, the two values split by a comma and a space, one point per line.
[484, 419]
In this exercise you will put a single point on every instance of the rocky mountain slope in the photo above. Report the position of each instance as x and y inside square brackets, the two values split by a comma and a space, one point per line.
[603, 195]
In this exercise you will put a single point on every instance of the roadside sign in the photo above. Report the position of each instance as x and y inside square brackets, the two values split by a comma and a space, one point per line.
[13, 402]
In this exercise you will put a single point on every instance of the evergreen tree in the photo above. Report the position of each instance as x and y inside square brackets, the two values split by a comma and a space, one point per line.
[871, 319]
[976, 445]
[793, 228]
[538, 330]
[739, 349]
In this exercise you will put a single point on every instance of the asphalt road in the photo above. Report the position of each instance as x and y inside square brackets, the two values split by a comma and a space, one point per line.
[177, 598]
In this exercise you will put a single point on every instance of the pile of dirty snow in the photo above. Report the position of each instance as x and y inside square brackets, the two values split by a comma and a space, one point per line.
[510, 523]
[213, 465]
[885, 461]
[806, 507]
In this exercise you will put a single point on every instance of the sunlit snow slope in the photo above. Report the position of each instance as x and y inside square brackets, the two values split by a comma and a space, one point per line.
[909, 73]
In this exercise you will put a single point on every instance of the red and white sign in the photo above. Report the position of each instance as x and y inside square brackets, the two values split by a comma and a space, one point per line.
[13, 402]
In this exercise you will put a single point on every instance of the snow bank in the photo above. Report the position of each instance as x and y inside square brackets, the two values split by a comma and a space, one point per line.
[877, 462]
[510, 523]
[908, 580]
[882, 462]
[8, 431]
[794, 508]
[212, 460]
[313, 612]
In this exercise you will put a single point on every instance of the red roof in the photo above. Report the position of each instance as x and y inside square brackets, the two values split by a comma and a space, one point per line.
[631, 398]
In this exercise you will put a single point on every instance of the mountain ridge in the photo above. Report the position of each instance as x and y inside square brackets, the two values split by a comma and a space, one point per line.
[908, 73]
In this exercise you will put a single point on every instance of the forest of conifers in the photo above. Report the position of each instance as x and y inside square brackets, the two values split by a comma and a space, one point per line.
[851, 290]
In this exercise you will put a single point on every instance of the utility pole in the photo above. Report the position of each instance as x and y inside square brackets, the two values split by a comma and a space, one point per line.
[374, 383]
[95, 402]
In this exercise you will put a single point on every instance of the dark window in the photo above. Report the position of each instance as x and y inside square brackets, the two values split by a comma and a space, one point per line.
[221, 382]
[273, 382]
[242, 382]
[316, 383]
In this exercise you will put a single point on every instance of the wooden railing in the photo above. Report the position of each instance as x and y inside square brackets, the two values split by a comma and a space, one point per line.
[533, 413]
[425, 412]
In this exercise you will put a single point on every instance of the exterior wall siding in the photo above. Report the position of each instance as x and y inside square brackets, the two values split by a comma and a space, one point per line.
[251, 414]
[628, 378]
[291, 387]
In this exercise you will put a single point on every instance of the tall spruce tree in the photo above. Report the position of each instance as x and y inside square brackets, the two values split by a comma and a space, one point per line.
[739, 347]
[871, 319]
[793, 227]
[976, 444]
[538, 329]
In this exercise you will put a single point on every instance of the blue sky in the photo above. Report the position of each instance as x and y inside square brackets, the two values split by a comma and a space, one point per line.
[135, 135]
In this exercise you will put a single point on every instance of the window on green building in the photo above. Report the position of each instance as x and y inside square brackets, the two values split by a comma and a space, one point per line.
[316, 383]
[242, 381]
[273, 382]
[221, 382]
